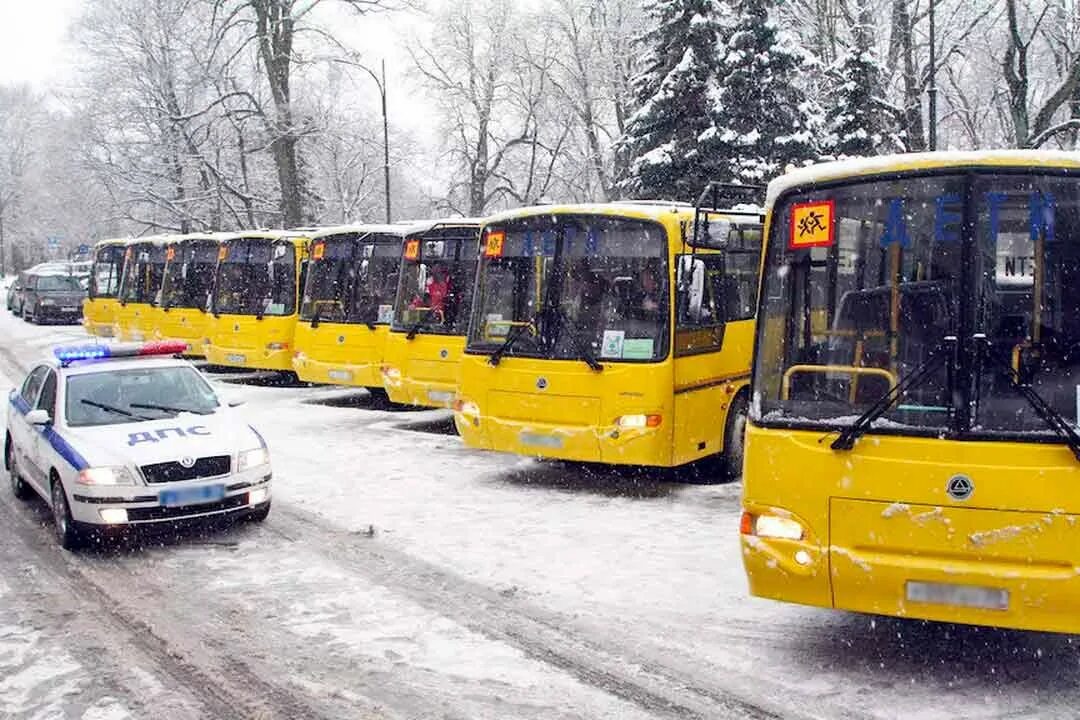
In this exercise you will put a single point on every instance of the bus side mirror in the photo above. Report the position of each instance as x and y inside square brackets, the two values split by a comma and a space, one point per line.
[691, 287]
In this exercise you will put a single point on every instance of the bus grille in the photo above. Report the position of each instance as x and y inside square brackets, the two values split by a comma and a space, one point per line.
[204, 467]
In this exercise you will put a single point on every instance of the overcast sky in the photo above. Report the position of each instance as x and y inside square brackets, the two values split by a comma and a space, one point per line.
[33, 46]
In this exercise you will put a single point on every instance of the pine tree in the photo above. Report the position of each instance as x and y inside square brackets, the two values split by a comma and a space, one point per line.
[661, 138]
[763, 118]
[859, 123]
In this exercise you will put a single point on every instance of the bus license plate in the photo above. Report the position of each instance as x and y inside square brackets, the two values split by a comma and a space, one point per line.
[191, 496]
[440, 396]
[538, 440]
[340, 375]
[233, 358]
[971, 596]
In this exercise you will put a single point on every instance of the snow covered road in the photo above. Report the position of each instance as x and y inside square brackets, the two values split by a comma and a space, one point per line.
[402, 575]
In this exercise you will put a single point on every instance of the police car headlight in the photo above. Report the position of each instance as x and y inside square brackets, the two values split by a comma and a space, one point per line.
[106, 476]
[253, 458]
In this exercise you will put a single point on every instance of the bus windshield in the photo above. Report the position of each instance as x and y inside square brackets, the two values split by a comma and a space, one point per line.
[435, 288]
[143, 268]
[896, 287]
[105, 272]
[567, 283]
[189, 274]
[256, 276]
[351, 279]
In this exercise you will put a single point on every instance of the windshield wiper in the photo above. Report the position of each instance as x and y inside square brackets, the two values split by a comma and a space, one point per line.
[315, 315]
[169, 408]
[563, 322]
[411, 335]
[1053, 419]
[851, 433]
[511, 337]
[112, 409]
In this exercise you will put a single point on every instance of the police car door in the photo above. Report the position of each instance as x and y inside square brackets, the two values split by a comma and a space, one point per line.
[45, 456]
[22, 434]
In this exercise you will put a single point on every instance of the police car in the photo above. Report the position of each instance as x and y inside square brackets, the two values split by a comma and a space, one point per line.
[128, 434]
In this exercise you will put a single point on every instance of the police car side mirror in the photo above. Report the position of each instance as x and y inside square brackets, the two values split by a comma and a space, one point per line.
[38, 417]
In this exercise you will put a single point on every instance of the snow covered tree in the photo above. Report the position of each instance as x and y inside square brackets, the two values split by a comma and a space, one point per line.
[763, 119]
[859, 124]
[679, 67]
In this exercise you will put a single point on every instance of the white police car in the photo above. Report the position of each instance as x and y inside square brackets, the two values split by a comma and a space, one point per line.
[128, 435]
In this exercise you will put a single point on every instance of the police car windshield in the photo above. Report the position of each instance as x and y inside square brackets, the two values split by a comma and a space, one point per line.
[151, 392]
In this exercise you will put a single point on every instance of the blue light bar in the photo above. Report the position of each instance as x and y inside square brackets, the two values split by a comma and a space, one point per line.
[71, 353]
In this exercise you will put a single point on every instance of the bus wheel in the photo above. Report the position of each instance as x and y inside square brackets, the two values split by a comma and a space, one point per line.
[734, 438]
[379, 397]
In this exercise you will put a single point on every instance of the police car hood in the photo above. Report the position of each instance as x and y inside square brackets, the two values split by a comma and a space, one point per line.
[163, 440]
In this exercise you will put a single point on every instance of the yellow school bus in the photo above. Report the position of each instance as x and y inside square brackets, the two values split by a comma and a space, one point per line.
[190, 264]
[912, 446]
[422, 359]
[254, 300]
[615, 333]
[348, 303]
[103, 289]
[140, 287]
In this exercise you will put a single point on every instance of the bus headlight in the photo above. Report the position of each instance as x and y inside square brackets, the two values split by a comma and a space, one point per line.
[638, 421]
[252, 459]
[771, 526]
[118, 475]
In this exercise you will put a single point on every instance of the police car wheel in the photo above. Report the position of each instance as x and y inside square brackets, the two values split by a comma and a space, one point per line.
[18, 488]
[259, 514]
[67, 531]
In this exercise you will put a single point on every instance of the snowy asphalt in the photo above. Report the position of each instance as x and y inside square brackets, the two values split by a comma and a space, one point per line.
[401, 575]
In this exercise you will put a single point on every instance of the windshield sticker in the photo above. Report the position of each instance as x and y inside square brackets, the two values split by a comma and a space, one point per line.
[612, 345]
[318, 251]
[386, 314]
[812, 224]
[412, 250]
[637, 349]
[493, 243]
[495, 326]
[222, 253]
[896, 232]
[170, 253]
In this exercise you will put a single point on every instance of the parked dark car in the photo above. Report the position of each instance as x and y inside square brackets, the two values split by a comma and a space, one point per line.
[52, 297]
[14, 294]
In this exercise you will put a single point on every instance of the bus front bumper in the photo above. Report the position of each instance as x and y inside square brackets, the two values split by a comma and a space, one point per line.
[254, 358]
[959, 565]
[337, 373]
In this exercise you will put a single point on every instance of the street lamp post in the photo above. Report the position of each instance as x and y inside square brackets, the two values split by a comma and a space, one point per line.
[381, 83]
[932, 88]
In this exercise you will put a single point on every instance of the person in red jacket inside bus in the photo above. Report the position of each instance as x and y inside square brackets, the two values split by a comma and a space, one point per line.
[436, 292]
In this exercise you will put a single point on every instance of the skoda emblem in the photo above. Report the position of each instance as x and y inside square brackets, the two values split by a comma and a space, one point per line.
[960, 487]
[188, 462]
[443, 353]
[541, 383]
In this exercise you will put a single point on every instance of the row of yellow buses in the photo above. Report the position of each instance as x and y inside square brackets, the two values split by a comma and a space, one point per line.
[911, 408]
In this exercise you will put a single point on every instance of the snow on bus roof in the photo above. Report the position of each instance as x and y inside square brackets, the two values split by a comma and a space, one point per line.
[917, 161]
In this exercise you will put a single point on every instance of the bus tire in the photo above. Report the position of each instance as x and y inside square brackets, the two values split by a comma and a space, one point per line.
[734, 438]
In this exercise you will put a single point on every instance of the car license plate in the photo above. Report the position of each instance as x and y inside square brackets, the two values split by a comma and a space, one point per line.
[340, 375]
[972, 596]
[538, 440]
[191, 496]
[233, 358]
[440, 396]
[68, 309]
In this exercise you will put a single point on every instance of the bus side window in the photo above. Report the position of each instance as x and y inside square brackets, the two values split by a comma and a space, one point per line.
[701, 299]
